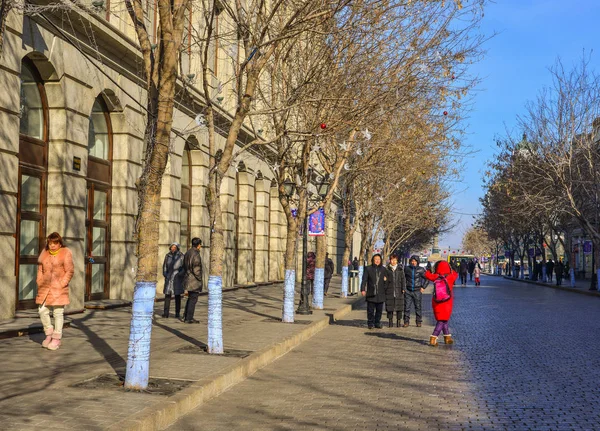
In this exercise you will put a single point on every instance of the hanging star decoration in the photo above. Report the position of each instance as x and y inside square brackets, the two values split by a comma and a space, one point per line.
[347, 166]
[200, 120]
[344, 146]
[367, 134]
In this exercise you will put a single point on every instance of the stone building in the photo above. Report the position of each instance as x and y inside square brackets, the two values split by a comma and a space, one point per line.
[71, 150]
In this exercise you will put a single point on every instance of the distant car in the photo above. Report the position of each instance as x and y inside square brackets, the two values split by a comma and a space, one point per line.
[423, 261]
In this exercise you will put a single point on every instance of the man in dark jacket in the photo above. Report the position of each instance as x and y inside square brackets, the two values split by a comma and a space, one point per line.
[329, 269]
[192, 279]
[549, 269]
[413, 295]
[372, 287]
[559, 271]
[394, 292]
[471, 269]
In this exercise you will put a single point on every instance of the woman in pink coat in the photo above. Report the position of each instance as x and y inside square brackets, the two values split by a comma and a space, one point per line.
[442, 310]
[55, 270]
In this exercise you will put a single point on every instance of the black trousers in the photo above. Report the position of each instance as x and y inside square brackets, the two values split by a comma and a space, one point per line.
[390, 315]
[470, 276]
[326, 286]
[168, 305]
[374, 312]
[190, 305]
[463, 278]
[413, 299]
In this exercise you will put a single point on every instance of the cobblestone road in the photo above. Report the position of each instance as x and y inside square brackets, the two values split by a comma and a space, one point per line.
[526, 358]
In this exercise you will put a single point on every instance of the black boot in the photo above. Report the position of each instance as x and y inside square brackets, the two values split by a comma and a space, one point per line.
[391, 325]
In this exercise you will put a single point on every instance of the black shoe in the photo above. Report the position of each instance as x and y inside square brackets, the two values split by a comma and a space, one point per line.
[177, 316]
[192, 321]
[164, 316]
[418, 324]
[370, 326]
[391, 324]
[379, 326]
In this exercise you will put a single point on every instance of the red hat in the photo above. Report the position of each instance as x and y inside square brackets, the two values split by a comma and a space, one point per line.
[443, 268]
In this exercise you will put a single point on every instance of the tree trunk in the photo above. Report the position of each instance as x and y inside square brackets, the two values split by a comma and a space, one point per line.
[318, 290]
[349, 229]
[291, 254]
[149, 200]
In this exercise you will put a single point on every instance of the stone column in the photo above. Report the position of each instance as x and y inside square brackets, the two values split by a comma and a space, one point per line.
[126, 169]
[261, 231]
[245, 228]
[67, 187]
[200, 221]
[228, 195]
[170, 211]
[277, 226]
[9, 164]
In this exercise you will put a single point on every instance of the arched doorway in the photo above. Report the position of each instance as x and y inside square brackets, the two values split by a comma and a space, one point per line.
[186, 199]
[99, 173]
[33, 169]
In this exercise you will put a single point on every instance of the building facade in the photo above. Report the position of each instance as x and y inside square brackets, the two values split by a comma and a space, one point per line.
[72, 124]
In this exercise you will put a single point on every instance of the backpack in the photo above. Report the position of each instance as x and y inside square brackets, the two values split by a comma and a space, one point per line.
[441, 290]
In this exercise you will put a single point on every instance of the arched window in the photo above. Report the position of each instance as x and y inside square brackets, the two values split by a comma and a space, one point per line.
[33, 163]
[186, 198]
[98, 136]
[99, 175]
[32, 108]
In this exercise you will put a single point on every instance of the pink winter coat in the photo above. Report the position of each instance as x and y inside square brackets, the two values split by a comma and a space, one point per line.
[477, 271]
[53, 277]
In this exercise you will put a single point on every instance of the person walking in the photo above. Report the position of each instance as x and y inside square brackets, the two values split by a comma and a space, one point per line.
[471, 266]
[54, 273]
[549, 269]
[477, 273]
[413, 295]
[329, 270]
[173, 272]
[311, 261]
[192, 279]
[394, 291]
[373, 287]
[559, 270]
[442, 310]
[463, 269]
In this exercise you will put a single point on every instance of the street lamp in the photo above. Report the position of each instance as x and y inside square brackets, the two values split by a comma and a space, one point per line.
[303, 306]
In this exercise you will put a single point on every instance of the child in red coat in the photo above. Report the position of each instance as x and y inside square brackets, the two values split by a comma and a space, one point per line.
[442, 310]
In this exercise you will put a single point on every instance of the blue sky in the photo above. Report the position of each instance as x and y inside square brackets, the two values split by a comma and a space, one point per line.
[532, 34]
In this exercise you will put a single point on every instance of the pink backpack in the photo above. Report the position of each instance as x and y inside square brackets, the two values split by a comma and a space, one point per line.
[441, 290]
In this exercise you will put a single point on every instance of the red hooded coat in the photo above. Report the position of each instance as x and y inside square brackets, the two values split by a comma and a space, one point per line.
[443, 310]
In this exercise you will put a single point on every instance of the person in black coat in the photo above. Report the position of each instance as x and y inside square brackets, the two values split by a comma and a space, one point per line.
[394, 292]
[329, 270]
[373, 287]
[559, 271]
[413, 295]
[471, 267]
[192, 279]
[549, 269]
[173, 273]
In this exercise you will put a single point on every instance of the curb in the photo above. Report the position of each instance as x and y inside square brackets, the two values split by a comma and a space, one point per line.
[566, 289]
[203, 390]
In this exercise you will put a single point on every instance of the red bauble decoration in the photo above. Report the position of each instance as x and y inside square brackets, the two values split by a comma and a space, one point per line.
[445, 112]
[453, 77]
[323, 126]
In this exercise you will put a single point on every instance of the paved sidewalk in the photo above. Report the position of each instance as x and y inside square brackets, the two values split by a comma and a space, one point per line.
[36, 385]
[581, 286]
[524, 359]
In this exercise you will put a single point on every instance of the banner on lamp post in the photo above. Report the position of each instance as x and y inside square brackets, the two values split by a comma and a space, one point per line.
[587, 247]
[316, 223]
